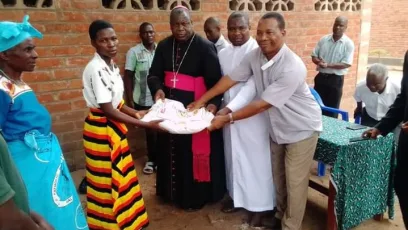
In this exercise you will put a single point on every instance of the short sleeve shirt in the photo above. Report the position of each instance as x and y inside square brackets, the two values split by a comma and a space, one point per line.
[102, 83]
[281, 81]
[377, 105]
[331, 51]
[139, 59]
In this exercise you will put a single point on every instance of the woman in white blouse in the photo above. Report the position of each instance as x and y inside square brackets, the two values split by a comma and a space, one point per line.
[113, 191]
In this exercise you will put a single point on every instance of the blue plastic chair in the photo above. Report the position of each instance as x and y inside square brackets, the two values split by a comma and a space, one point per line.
[321, 167]
[357, 120]
[344, 114]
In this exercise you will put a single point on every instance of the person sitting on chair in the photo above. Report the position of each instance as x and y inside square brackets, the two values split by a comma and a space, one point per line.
[377, 93]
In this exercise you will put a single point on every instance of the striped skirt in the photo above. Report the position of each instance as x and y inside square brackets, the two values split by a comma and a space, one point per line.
[114, 198]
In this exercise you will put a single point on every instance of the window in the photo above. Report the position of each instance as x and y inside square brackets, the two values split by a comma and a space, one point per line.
[338, 5]
[261, 5]
[26, 3]
[193, 5]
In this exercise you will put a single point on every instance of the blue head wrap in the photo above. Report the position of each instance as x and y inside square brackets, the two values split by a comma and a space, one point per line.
[12, 34]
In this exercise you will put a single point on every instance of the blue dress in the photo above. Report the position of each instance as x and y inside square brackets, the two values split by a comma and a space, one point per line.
[26, 126]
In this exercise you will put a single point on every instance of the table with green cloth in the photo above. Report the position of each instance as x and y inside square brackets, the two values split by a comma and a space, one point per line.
[362, 172]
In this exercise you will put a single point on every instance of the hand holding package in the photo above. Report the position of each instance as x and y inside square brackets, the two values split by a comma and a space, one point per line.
[177, 119]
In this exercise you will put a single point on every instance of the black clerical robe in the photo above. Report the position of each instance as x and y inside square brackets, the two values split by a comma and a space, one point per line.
[398, 113]
[175, 181]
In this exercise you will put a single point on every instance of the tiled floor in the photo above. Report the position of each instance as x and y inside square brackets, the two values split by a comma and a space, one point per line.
[166, 217]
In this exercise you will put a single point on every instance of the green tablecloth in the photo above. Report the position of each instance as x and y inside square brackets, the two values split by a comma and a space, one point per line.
[362, 172]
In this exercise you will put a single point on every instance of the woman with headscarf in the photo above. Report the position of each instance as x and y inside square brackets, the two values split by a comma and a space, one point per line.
[26, 127]
[113, 191]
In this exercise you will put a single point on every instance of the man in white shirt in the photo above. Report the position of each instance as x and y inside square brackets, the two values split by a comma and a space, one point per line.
[246, 142]
[294, 116]
[377, 93]
[212, 30]
[333, 55]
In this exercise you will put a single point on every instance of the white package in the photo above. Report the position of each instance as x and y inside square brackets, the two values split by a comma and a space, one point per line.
[177, 119]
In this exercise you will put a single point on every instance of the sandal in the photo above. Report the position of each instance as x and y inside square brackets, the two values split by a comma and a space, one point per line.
[149, 168]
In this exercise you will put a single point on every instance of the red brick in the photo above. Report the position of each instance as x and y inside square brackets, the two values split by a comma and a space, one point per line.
[67, 73]
[52, 86]
[70, 94]
[71, 116]
[45, 97]
[86, 4]
[58, 107]
[77, 39]
[75, 84]
[51, 40]
[73, 136]
[73, 16]
[37, 76]
[11, 15]
[62, 127]
[47, 63]
[65, 51]
[77, 61]
[78, 104]
[40, 16]
[65, 28]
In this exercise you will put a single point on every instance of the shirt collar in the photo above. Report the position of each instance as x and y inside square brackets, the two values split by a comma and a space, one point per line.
[220, 40]
[144, 48]
[387, 89]
[342, 39]
[275, 58]
[102, 62]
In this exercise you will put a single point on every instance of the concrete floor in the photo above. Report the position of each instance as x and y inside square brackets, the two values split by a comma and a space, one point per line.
[166, 217]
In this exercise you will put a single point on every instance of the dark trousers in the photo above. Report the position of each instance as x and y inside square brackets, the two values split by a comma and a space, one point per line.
[401, 189]
[330, 89]
[151, 138]
[366, 120]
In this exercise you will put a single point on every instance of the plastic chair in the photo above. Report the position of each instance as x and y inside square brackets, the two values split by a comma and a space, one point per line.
[321, 167]
[357, 120]
[344, 114]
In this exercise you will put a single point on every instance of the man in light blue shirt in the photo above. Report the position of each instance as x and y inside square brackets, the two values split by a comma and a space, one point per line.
[333, 55]
[138, 61]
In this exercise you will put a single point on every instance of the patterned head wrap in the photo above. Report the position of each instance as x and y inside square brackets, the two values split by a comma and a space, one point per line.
[12, 33]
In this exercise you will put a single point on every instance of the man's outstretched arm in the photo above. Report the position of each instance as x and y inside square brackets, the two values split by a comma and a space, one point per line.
[222, 86]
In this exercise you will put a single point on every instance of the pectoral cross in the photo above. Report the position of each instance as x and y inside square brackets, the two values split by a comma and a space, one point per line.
[174, 80]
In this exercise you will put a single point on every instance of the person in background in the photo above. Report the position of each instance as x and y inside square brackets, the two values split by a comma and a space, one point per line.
[376, 93]
[26, 127]
[295, 118]
[398, 113]
[246, 143]
[138, 61]
[190, 168]
[15, 213]
[212, 29]
[114, 197]
[333, 56]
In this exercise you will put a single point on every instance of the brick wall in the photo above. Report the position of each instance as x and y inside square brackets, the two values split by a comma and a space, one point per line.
[389, 26]
[66, 49]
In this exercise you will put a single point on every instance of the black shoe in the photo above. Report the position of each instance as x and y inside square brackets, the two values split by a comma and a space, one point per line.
[228, 207]
[194, 208]
[82, 186]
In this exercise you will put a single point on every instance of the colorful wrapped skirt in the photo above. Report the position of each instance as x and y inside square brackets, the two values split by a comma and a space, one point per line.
[114, 197]
[51, 191]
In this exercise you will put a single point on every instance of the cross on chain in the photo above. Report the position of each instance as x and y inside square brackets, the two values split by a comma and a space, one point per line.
[174, 80]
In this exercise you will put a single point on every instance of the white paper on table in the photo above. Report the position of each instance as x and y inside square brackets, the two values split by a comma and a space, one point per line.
[177, 119]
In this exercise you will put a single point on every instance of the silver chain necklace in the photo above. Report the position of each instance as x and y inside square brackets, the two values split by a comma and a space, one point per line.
[181, 62]
[19, 82]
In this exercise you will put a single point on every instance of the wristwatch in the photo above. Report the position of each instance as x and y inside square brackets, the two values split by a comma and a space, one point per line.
[230, 118]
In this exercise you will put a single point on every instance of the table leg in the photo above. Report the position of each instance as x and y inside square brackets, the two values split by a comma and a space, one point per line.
[331, 216]
[379, 217]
